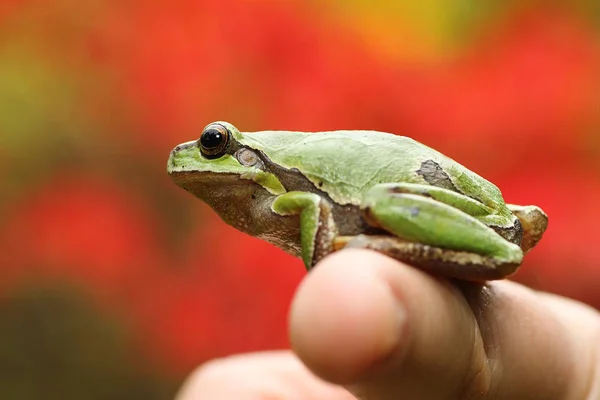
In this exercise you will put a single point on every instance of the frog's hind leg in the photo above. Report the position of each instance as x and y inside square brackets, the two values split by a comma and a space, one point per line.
[448, 263]
[440, 230]
[534, 221]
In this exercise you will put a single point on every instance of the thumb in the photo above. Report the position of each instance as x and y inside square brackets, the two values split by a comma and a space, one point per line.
[386, 331]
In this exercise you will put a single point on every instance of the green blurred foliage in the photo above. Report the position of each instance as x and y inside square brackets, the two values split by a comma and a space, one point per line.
[55, 344]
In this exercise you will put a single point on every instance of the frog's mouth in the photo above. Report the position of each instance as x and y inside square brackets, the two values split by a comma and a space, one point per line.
[207, 184]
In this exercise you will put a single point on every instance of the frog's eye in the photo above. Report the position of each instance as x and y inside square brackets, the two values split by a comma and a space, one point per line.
[213, 141]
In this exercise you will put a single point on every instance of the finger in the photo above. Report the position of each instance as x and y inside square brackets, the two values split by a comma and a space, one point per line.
[535, 347]
[387, 330]
[361, 317]
[584, 327]
[256, 376]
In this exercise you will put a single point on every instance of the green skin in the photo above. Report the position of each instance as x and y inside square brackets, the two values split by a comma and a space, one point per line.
[313, 193]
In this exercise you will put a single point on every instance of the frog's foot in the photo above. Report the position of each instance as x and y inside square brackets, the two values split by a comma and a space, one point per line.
[534, 221]
[449, 263]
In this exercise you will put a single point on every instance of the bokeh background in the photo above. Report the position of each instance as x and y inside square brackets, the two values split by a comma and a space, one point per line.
[115, 284]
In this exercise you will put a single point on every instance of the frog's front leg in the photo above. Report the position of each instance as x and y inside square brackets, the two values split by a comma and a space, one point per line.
[317, 227]
[439, 230]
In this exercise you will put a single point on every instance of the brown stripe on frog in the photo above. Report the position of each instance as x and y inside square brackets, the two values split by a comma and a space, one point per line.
[513, 234]
[436, 176]
[326, 233]
[347, 217]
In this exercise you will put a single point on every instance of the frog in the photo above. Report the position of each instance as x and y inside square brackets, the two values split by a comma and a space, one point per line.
[315, 193]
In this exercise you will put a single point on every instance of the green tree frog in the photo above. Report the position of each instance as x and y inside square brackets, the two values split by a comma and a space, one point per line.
[314, 193]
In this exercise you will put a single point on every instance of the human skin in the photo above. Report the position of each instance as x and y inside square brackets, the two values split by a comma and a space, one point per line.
[365, 326]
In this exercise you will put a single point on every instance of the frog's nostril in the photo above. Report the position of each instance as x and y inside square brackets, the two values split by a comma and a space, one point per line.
[176, 149]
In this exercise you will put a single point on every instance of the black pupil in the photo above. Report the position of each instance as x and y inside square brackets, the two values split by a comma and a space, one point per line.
[211, 138]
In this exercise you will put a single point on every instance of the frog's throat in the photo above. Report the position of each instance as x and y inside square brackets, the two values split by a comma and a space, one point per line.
[231, 196]
[243, 204]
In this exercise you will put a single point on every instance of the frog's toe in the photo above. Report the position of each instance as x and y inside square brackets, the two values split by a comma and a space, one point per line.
[534, 221]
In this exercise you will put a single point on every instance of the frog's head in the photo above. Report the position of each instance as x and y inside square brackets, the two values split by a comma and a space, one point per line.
[224, 173]
[218, 158]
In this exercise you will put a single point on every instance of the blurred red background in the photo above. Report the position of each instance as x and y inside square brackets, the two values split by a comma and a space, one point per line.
[115, 283]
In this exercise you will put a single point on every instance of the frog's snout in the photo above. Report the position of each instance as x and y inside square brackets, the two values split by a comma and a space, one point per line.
[171, 160]
[182, 146]
[177, 156]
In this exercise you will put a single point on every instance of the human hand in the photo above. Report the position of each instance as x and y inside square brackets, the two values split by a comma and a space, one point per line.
[365, 324]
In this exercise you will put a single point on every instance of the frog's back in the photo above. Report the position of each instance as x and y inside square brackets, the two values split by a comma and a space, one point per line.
[347, 163]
